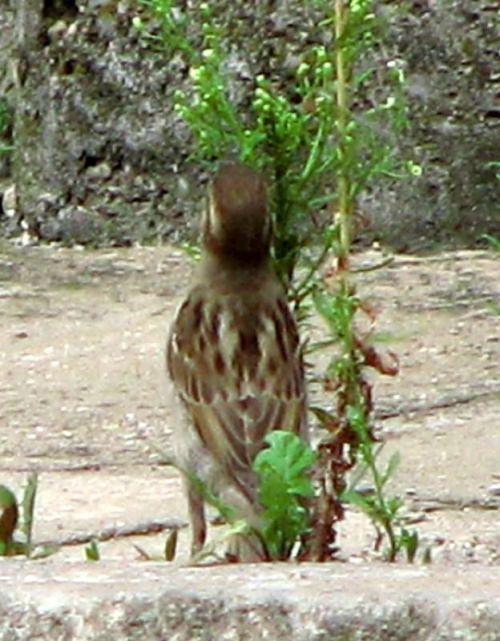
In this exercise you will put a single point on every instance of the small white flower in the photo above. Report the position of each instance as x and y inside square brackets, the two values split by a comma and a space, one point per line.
[302, 69]
[261, 94]
[389, 103]
[327, 68]
[321, 54]
[195, 73]
[414, 169]
[137, 23]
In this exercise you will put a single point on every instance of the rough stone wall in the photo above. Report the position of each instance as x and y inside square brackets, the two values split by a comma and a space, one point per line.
[97, 148]
[452, 52]
[7, 44]
[101, 155]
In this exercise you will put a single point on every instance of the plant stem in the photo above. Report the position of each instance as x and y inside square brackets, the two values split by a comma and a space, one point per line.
[385, 519]
[344, 116]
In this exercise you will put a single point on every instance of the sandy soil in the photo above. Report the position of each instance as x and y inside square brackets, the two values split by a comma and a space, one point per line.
[83, 398]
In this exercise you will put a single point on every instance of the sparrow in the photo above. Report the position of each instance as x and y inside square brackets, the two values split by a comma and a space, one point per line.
[233, 352]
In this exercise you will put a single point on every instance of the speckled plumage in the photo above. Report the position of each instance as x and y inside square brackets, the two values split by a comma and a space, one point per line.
[233, 352]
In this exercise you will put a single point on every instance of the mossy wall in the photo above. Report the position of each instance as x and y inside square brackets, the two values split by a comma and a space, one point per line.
[102, 157]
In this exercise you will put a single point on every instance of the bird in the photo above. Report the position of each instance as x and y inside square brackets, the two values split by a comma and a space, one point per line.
[233, 352]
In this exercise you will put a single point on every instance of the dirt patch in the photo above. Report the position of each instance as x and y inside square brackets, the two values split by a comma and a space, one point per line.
[83, 397]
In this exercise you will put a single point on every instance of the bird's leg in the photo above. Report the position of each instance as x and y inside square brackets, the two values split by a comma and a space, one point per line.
[196, 508]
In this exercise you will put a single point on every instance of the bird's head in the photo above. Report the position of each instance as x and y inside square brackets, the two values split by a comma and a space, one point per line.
[237, 225]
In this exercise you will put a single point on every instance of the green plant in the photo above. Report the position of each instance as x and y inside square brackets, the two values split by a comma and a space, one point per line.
[280, 136]
[16, 534]
[170, 548]
[350, 440]
[383, 510]
[302, 137]
[320, 155]
[493, 241]
[5, 127]
[8, 520]
[285, 486]
[92, 552]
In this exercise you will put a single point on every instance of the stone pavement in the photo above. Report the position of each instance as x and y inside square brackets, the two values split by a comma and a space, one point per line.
[124, 601]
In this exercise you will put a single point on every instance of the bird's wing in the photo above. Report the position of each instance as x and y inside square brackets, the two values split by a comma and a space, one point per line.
[238, 369]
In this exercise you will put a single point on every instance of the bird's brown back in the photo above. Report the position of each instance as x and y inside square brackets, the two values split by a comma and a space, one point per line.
[237, 366]
[233, 351]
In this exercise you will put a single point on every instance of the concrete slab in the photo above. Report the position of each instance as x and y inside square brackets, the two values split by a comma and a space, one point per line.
[82, 402]
[334, 602]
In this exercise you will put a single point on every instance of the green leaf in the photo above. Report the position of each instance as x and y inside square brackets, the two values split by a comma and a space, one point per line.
[409, 541]
[492, 241]
[427, 556]
[284, 482]
[393, 505]
[365, 503]
[288, 458]
[391, 467]
[7, 497]
[29, 498]
[324, 417]
[92, 551]
[8, 519]
[171, 545]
